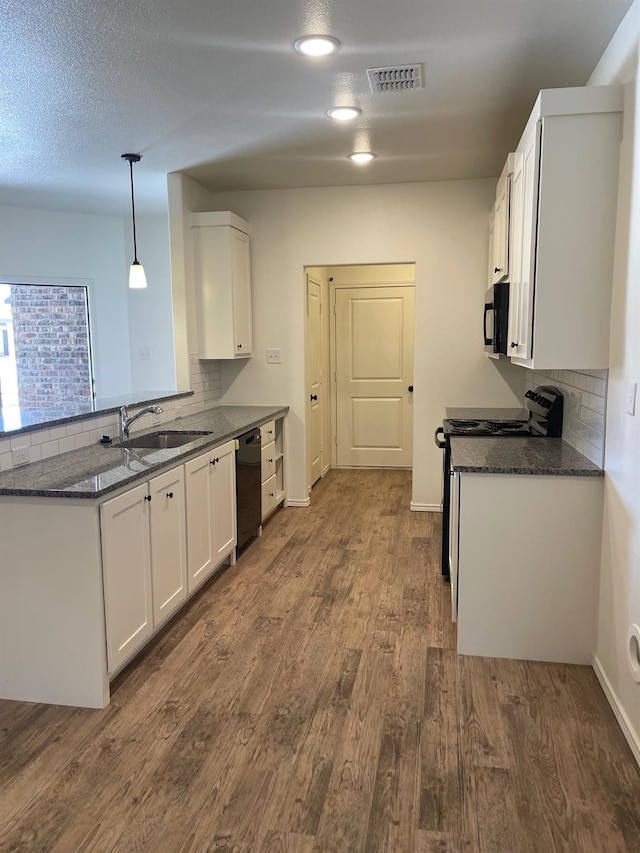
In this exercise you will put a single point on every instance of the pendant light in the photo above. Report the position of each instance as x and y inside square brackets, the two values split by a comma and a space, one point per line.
[137, 278]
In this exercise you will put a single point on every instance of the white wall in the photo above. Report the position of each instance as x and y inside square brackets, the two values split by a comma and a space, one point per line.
[442, 228]
[620, 573]
[185, 197]
[151, 310]
[42, 246]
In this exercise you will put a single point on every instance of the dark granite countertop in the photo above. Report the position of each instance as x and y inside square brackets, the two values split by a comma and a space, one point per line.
[550, 456]
[97, 470]
[486, 413]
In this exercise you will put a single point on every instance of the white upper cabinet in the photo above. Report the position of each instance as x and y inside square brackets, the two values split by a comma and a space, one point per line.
[563, 218]
[222, 272]
[499, 243]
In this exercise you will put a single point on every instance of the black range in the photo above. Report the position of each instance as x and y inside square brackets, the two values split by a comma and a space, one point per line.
[544, 406]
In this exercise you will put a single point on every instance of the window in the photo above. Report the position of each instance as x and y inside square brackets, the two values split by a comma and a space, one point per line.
[45, 341]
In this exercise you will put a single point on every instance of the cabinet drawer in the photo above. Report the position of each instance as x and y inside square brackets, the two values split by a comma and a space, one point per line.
[268, 461]
[269, 493]
[268, 432]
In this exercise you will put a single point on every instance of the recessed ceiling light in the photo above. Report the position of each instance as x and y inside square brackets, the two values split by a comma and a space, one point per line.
[344, 113]
[361, 156]
[316, 45]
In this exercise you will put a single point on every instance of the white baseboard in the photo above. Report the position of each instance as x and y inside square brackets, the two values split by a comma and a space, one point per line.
[293, 502]
[416, 507]
[623, 721]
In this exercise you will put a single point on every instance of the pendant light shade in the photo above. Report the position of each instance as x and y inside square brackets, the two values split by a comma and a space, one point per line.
[137, 278]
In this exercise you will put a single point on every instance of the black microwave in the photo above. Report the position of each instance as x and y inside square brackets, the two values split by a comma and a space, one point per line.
[496, 318]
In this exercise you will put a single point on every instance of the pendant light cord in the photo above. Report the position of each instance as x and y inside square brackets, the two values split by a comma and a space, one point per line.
[133, 214]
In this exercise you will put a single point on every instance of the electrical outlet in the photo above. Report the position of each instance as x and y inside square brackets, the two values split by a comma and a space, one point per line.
[144, 353]
[20, 456]
[273, 356]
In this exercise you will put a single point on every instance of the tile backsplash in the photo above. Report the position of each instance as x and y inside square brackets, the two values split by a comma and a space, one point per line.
[42, 443]
[585, 399]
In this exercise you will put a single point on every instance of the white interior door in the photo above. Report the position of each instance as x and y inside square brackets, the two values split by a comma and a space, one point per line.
[374, 376]
[315, 389]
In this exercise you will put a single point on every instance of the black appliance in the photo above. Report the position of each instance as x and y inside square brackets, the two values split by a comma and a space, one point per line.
[545, 409]
[248, 487]
[496, 318]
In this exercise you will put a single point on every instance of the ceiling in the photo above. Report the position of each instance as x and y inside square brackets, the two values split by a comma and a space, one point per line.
[214, 88]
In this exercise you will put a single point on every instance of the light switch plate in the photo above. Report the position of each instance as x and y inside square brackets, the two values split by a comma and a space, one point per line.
[273, 356]
[631, 398]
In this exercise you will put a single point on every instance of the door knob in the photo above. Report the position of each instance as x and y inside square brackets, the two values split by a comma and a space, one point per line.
[314, 396]
[410, 389]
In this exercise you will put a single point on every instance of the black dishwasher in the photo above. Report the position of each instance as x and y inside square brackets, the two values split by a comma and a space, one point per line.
[248, 486]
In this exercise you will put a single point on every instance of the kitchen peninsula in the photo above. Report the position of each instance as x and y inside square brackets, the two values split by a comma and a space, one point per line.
[61, 525]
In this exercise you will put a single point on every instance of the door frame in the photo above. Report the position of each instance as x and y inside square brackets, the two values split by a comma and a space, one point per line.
[316, 278]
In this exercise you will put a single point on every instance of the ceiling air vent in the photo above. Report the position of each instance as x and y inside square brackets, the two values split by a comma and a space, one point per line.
[396, 78]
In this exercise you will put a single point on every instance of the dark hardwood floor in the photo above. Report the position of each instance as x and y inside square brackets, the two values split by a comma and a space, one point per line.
[310, 699]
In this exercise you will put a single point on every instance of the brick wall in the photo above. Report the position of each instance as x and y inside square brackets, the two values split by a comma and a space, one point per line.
[51, 343]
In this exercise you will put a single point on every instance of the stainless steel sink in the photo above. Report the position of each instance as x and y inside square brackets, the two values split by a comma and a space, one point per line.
[163, 439]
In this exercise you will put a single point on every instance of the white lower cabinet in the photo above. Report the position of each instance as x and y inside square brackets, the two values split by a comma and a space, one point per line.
[126, 570]
[210, 484]
[160, 541]
[168, 543]
[144, 562]
[528, 563]
[272, 470]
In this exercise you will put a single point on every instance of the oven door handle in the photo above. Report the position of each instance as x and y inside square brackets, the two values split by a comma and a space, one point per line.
[440, 444]
[489, 306]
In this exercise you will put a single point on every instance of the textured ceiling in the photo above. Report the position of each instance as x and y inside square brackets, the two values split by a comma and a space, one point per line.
[213, 88]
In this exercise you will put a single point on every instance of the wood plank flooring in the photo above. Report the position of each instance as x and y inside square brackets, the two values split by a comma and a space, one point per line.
[311, 699]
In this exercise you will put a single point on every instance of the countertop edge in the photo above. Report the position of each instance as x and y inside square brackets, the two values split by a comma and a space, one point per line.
[528, 472]
[562, 459]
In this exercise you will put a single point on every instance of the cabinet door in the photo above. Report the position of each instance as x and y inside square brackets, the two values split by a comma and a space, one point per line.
[199, 504]
[501, 230]
[268, 454]
[222, 275]
[269, 496]
[241, 282]
[516, 294]
[521, 335]
[126, 567]
[168, 543]
[490, 262]
[224, 500]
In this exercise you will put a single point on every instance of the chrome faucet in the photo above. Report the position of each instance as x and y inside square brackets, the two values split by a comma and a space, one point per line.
[126, 421]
